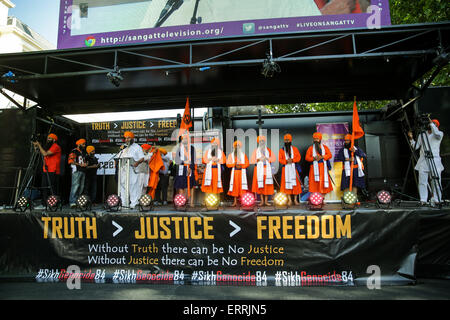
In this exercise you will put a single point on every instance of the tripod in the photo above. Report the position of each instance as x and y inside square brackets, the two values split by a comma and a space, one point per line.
[436, 186]
[29, 176]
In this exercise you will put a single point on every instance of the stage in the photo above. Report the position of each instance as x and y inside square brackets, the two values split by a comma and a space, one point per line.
[289, 247]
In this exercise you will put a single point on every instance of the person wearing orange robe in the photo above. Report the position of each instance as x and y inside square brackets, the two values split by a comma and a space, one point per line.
[318, 154]
[152, 157]
[238, 162]
[262, 183]
[213, 158]
[288, 156]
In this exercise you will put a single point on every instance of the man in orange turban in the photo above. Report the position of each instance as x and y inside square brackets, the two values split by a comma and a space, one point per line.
[238, 162]
[289, 156]
[319, 154]
[354, 163]
[213, 158]
[51, 152]
[77, 161]
[262, 183]
[186, 168]
[131, 150]
[90, 186]
[152, 157]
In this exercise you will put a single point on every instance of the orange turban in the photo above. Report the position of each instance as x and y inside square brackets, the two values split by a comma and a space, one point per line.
[261, 138]
[288, 137]
[317, 135]
[146, 146]
[53, 136]
[128, 134]
[163, 151]
[436, 122]
[81, 141]
[237, 143]
[348, 137]
[89, 149]
[216, 140]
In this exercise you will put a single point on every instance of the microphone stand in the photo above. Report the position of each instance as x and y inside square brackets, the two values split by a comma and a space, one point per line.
[104, 170]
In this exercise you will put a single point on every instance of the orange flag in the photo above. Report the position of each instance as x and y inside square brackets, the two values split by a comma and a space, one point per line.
[357, 131]
[186, 121]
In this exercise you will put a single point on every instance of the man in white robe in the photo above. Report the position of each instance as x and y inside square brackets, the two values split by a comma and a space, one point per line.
[134, 151]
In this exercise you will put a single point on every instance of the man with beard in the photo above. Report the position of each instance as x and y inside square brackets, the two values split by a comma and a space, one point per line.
[238, 162]
[213, 158]
[319, 154]
[289, 156]
[90, 185]
[185, 167]
[77, 161]
[262, 157]
[354, 163]
[51, 168]
[134, 151]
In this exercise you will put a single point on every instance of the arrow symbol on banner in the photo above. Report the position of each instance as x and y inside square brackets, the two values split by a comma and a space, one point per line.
[115, 125]
[151, 124]
[118, 226]
[236, 228]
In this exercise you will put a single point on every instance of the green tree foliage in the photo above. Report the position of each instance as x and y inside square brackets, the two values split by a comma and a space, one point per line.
[402, 12]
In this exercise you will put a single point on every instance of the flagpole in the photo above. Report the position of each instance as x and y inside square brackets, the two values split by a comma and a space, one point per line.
[352, 145]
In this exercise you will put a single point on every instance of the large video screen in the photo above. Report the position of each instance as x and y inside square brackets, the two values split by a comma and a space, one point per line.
[89, 23]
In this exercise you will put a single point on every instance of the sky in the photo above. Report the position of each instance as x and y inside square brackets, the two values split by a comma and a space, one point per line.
[43, 17]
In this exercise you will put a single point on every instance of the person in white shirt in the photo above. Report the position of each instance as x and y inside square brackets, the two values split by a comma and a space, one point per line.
[435, 138]
[134, 151]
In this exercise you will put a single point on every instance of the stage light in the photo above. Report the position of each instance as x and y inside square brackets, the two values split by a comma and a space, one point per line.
[280, 200]
[248, 201]
[84, 203]
[145, 203]
[270, 67]
[179, 201]
[384, 198]
[349, 200]
[315, 201]
[113, 203]
[53, 203]
[212, 201]
[115, 77]
[23, 204]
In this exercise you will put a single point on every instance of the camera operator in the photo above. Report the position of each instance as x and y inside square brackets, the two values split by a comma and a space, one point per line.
[434, 137]
[51, 168]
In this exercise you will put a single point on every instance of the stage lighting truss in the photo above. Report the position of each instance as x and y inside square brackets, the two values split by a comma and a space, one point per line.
[23, 204]
[349, 200]
[113, 203]
[315, 201]
[179, 201]
[53, 203]
[248, 201]
[384, 199]
[280, 200]
[145, 203]
[212, 201]
[84, 203]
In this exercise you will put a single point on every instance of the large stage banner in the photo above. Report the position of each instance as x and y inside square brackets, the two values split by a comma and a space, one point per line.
[154, 131]
[302, 248]
[93, 23]
[333, 137]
